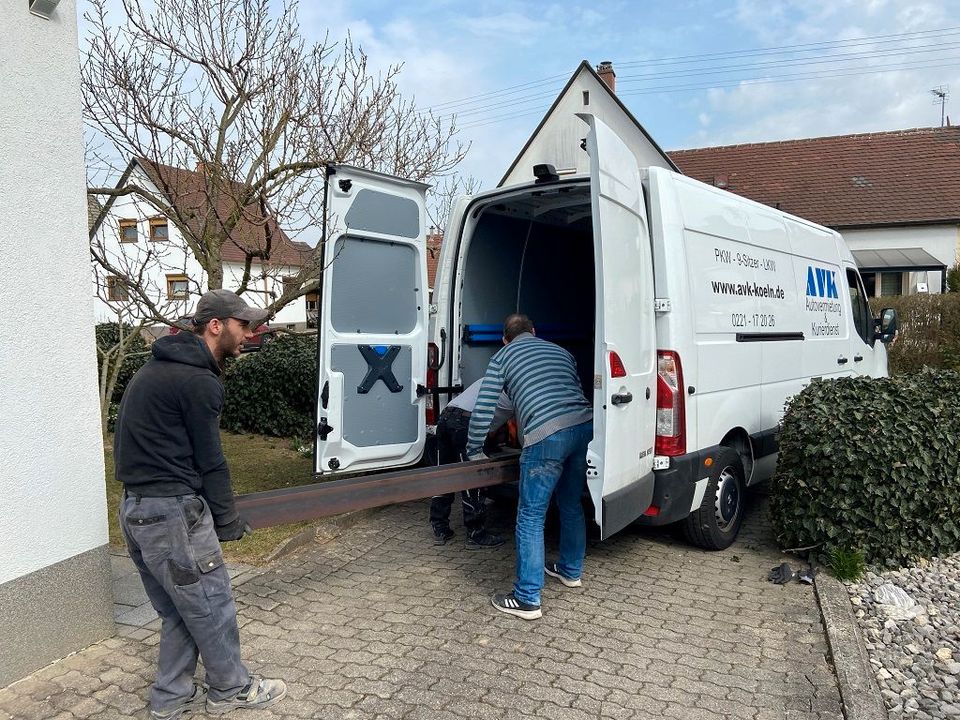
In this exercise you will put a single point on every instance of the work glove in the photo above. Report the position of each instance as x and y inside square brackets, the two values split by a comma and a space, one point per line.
[234, 530]
[781, 575]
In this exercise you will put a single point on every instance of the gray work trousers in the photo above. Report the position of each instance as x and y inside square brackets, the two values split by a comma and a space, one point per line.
[174, 545]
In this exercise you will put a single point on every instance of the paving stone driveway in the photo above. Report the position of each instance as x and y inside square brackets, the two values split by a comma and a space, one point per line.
[379, 623]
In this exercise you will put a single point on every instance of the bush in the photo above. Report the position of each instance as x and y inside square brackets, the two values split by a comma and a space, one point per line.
[138, 352]
[871, 465]
[929, 331]
[273, 391]
[953, 279]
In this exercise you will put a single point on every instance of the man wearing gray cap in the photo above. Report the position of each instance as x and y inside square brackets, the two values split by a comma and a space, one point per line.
[178, 506]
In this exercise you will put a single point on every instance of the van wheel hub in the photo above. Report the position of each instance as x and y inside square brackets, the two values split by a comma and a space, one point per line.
[727, 506]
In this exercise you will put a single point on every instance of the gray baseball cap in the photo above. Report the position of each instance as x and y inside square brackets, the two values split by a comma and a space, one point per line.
[223, 304]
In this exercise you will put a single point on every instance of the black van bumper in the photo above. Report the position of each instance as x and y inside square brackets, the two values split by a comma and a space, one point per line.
[675, 487]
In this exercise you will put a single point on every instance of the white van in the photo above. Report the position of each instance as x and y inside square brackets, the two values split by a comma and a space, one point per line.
[693, 314]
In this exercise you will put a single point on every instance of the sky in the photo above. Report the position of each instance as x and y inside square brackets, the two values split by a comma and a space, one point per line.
[694, 74]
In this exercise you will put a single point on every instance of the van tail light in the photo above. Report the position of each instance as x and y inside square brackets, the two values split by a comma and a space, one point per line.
[616, 366]
[671, 415]
[433, 363]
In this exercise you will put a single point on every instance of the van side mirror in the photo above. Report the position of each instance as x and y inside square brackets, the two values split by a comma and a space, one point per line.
[885, 326]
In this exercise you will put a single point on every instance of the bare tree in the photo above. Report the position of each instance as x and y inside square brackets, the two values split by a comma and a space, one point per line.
[444, 194]
[231, 91]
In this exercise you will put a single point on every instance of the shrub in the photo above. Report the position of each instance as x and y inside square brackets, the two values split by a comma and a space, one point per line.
[929, 331]
[273, 391]
[137, 353]
[953, 279]
[871, 464]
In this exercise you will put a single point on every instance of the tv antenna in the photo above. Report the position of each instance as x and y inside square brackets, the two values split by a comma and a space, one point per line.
[940, 95]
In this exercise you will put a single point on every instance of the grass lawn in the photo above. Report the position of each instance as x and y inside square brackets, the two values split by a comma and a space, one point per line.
[256, 463]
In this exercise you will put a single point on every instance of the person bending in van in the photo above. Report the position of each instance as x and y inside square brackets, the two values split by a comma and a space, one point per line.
[555, 425]
[178, 507]
[451, 448]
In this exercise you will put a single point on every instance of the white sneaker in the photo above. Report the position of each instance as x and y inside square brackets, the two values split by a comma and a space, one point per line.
[553, 570]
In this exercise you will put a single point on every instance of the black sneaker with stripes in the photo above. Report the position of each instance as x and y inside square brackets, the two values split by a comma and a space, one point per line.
[510, 605]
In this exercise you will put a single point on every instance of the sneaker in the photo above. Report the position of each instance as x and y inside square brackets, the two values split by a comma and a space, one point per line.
[442, 535]
[553, 570]
[511, 606]
[194, 702]
[259, 693]
[482, 540]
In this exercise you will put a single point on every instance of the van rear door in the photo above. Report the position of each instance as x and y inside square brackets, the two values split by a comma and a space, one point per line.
[373, 323]
[620, 457]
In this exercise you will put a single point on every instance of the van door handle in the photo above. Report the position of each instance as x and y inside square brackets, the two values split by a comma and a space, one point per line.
[857, 358]
[621, 398]
[841, 360]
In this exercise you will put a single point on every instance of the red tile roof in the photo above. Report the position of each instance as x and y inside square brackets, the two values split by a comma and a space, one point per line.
[887, 178]
[433, 256]
[186, 189]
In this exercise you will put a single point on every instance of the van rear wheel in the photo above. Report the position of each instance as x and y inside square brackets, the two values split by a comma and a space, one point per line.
[715, 524]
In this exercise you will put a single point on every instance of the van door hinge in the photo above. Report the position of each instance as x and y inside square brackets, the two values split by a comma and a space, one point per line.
[662, 305]
[661, 462]
[433, 309]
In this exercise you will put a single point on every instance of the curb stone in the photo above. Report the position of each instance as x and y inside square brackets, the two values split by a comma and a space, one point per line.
[858, 688]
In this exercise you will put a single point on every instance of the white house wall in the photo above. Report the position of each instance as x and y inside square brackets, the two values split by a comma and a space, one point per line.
[941, 241]
[558, 141]
[55, 594]
[173, 257]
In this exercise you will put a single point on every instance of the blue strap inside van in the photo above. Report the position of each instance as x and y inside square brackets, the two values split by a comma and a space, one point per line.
[481, 334]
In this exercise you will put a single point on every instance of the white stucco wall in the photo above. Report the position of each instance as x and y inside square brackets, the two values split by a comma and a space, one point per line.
[941, 241]
[52, 481]
[558, 142]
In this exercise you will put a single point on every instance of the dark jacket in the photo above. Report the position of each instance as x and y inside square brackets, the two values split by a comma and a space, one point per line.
[167, 440]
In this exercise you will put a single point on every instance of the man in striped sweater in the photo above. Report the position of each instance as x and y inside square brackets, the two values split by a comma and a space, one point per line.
[555, 424]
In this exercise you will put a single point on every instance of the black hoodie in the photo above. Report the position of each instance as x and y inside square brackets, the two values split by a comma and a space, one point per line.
[167, 440]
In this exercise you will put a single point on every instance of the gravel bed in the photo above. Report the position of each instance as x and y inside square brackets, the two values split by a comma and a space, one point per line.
[910, 619]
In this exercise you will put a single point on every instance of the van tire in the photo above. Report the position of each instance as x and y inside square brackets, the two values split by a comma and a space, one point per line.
[715, 524]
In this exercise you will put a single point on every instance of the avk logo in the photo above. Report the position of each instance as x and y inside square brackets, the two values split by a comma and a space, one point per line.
[821, 282]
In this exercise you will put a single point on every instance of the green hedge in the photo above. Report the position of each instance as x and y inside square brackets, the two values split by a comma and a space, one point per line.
[272, 392]
[871, 465]
[929, 331]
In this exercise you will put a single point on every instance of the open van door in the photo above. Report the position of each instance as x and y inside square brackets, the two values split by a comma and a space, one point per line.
[620, 457]
[372, 323]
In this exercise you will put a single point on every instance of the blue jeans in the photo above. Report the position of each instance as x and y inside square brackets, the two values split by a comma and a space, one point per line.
[556, 463]
[173, 543]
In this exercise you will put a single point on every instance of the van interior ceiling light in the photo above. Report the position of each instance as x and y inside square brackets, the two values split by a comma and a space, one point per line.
[545, 173]
[43, 8]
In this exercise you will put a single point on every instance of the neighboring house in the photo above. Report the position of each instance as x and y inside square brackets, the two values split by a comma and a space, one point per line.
[894, 196]
[55, 589]
[557, 140]
[143, 244]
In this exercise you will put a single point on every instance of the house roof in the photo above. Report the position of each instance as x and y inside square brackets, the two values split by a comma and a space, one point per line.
[902, 177]
[434, 240]
[186, 190]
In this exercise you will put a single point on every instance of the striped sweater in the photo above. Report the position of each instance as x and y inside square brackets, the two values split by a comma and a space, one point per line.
[541, 380]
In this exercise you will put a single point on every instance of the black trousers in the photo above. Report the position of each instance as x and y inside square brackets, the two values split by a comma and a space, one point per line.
[451, 447]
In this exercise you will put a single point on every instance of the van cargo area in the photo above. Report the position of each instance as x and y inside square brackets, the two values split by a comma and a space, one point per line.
[531, 253]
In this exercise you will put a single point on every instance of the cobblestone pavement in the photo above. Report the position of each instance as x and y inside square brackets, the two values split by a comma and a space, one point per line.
[379, 623]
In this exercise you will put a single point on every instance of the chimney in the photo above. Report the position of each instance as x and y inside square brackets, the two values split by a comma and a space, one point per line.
[606, 73]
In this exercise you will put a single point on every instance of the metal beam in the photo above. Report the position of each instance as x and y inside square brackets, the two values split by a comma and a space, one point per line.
[310, 502]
